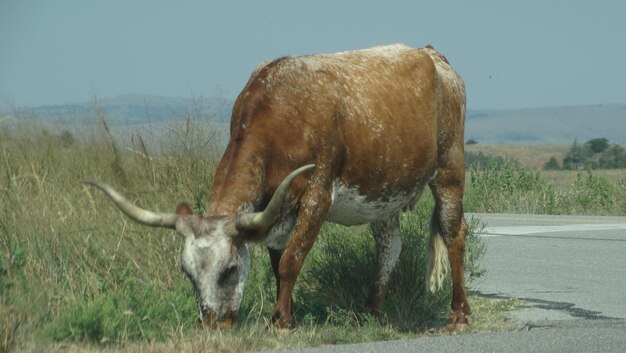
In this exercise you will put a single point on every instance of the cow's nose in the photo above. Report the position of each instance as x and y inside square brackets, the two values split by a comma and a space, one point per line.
[209, 319]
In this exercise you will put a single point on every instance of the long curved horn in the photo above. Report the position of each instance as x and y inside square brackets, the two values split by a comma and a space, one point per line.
[266, 218]
[167, 220]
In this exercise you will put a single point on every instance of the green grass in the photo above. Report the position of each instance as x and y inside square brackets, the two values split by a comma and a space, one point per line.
[73, 269]
[506, 186]
[75, 273]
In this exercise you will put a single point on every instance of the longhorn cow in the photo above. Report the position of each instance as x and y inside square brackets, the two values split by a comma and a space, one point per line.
[350, 138]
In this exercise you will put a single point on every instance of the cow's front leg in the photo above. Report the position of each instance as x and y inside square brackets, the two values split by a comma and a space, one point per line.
[314, 205]
[388, 246]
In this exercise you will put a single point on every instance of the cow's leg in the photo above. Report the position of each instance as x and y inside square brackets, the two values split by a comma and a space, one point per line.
[449, 221]
[388, 246]
[275, 256]
[314, 205]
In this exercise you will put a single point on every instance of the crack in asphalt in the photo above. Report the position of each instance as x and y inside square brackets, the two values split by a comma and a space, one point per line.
[568, 308]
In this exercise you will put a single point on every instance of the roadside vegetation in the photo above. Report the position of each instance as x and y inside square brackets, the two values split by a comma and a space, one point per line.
[504, 186]
[596, 153]
[75, 273]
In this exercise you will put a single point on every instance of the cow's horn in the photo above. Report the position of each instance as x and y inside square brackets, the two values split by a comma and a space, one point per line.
[258, 220]
[138, 214]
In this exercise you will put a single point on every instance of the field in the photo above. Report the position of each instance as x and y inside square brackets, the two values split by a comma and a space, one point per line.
[75, 275]
[535, 156]
[531, 156]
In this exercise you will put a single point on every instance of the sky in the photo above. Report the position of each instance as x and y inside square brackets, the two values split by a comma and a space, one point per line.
[511, 54]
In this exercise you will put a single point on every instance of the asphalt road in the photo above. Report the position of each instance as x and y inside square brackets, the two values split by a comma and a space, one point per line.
[571, 271]
[558, 261]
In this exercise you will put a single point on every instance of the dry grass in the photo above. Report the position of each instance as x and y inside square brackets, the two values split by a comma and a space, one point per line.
[535, 156]
[561, 180]
[66, 253]
[531, 156]
[65, 249]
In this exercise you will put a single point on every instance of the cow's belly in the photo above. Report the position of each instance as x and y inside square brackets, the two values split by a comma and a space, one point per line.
[349, 207]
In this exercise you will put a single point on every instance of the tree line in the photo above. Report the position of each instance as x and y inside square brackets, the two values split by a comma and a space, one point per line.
[596, 153]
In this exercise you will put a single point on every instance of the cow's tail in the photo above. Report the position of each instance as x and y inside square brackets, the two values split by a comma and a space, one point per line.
[437, 261]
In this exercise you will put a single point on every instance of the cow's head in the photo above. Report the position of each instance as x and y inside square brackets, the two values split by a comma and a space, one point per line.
[215, 254]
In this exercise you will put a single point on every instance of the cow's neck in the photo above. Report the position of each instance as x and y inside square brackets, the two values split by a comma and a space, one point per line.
[237, 186]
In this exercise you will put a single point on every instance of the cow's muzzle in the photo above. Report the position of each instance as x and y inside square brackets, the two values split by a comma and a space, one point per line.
[208, 319]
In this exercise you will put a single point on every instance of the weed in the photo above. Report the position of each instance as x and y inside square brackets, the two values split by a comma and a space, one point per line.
[509, 187]
[595, 194]
[132, 311]
[11, 267]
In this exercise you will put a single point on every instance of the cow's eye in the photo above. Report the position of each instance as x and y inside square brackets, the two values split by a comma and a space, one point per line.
[227, 274]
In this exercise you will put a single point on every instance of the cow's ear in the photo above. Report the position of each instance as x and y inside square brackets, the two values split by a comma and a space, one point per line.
[184, 209]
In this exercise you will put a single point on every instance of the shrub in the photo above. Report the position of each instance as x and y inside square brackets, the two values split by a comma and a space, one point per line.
[598, 145]
[595, 153]
[132, 311]
[552, 164]
[508, 187]
[594, 194]
[473, 159]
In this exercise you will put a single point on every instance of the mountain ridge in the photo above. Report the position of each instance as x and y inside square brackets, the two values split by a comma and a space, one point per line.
[534, 125]
[548, 125]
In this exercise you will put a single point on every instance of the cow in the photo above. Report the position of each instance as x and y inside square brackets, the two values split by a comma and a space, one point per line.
[351, 138]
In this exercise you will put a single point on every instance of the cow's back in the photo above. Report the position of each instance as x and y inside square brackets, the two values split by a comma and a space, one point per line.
[380, 117]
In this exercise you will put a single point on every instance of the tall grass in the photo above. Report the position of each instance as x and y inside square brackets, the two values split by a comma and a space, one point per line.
[505, 186]
[62, 244]
[72, 268]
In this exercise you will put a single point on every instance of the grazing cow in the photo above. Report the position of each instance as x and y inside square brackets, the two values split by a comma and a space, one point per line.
[350, 138]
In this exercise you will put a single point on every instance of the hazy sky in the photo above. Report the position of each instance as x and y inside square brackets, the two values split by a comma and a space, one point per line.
[512, 54]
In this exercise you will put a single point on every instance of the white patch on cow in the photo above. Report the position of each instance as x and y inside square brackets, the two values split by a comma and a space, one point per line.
[391, 51]
[245, 254]
[350, 207]
[204, 259]
[280, 234]
[392, 246]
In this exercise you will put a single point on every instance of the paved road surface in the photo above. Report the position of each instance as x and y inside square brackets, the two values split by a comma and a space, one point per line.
[572, 272]
[575, 265]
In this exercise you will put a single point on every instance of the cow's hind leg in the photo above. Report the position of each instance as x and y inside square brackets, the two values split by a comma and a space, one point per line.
[388, 246]
[449, 225]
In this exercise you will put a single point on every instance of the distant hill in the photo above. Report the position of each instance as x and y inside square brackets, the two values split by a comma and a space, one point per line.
[131, 109]
[551, 125]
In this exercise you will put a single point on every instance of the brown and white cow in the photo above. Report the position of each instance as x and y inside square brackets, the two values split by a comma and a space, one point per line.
[350, 138]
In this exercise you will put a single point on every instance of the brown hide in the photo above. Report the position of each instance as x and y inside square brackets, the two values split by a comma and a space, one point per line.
[379, 124]
[380, 120]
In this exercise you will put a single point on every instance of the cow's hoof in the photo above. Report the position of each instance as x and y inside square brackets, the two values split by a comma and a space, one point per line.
[457, 323]
[455, 328]
[280, 322]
